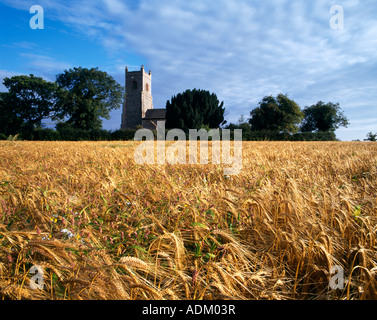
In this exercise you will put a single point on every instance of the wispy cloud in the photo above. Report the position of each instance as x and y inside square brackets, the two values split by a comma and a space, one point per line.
[43, 64]
[241, 50]
[6, 74]
[20, 45]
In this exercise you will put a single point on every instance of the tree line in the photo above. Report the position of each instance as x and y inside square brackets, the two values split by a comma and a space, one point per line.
[80, 98]
[276, 118]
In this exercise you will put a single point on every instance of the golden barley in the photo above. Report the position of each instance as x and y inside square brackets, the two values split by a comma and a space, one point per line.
[103, 227]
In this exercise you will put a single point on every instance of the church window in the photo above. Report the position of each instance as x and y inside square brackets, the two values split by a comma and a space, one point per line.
[134, 85]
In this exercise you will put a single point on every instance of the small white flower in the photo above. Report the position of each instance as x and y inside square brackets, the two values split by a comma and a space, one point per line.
[67, 232]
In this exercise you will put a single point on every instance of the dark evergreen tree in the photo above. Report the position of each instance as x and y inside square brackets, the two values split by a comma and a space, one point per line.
[194, 109]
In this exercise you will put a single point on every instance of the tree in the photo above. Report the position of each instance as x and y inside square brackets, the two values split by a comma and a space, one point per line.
[194, 109]
[8, 123]
[86, 96]
[371, 137]
[279, 114]
[323, 117]
[29, 100]
[242, 123]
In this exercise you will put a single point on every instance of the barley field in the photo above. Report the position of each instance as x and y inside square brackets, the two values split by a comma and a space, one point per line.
[101, 226]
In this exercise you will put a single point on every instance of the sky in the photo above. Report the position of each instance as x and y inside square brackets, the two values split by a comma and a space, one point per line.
[241, 50]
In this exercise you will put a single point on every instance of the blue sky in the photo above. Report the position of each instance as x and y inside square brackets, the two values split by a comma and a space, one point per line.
[242, 50]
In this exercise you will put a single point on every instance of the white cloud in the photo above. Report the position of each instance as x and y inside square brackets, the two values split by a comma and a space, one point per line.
[115, 7]
[6, 74]
[242, 50]
[43, 64]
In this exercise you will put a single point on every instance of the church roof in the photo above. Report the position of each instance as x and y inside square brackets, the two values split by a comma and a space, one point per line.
[155, 114]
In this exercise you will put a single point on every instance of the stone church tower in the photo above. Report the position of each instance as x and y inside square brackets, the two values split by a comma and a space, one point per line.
[138, 103]
[138, 98]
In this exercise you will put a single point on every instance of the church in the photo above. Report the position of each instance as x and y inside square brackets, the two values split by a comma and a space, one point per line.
[138, 108]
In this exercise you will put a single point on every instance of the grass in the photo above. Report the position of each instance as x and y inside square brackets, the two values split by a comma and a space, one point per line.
[103, 227]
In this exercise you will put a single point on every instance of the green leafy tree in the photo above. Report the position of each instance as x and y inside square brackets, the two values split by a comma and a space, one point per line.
[371, 137]
[279, 114]
[86, 96]
[9, 123]
[194, 109]
[29, 100]
[323, 117]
